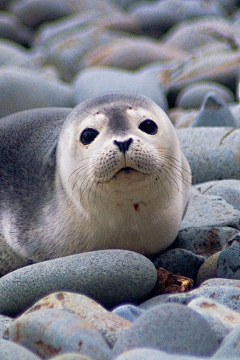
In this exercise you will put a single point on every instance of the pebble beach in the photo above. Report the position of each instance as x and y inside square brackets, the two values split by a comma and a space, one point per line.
[107, 304]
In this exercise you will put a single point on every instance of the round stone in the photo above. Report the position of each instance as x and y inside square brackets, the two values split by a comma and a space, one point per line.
[213, 152]
[109, 276]
[52, 332]
[172, 328]
[208, 270]
[193, 95]
[30, 90]
[214, 112]
[181, 262]
[11, 351]
[228, 265]
[98, 81]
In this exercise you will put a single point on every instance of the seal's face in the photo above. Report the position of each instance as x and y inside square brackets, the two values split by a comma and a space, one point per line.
[123, 146]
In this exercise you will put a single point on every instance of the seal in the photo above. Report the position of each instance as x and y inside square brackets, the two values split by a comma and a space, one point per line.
[108, 174]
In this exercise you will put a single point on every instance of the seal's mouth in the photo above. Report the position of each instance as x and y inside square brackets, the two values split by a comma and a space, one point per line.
[126, 170]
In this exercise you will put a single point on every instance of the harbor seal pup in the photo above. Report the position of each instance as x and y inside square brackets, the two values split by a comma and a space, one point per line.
[108, 174]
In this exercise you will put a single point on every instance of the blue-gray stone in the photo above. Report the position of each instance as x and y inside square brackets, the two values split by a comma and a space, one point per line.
[212, 152]
[199, 32]
[228, 265]
[67, 52]
[11, 351]
[151, 354]
[11, 28]
[179, 298]
[214, 112]
[221, 282]
[229, 190]
[225, 295]
[12, 54]
[180, 261]
[5, 323]
[129, 312]
[70, 356]
[210, 210]
[98, 81]
[109, 276]
[49, 332]
[221, 319]
[204, 240]
[173, 328]
[34, 13]
[230, 347]
[193, 95]
[30, 90]
[162, 15]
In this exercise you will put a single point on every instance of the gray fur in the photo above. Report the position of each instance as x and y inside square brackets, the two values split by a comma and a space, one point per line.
[27, 164]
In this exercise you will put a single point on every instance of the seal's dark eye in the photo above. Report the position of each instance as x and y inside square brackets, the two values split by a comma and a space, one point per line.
[149, 127]
[88, 135]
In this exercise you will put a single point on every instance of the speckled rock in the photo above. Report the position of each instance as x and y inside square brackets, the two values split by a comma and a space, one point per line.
[209, 210]
[208, 270]
[214, 112]
[221, 282]
[97, 81]
[70, 356]
[5, 322]
[51, 332]
[205, 241]
[193, 95]
[11, 351]
[128, 312]
[228, 265]
[151, 354]
[226, 295]
[109, 324]
[222, 319]
[80, 273]
[181, 262]
[30, 90]
[179, 298]
[172, 328]
[230, 347]
[227, 189]
[212, 152]
[224, 291]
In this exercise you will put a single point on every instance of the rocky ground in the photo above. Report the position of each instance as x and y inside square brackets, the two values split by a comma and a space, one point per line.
[185, 55]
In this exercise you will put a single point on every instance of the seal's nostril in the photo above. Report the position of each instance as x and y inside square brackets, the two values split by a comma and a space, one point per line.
[123, 145]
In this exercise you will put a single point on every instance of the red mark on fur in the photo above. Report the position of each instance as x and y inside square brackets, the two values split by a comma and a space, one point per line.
[136, 207]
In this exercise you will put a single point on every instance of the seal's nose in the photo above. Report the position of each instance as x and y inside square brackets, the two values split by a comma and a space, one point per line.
[123, 145]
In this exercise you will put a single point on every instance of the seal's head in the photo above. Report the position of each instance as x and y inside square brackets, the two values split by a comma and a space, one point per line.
[121, 165]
